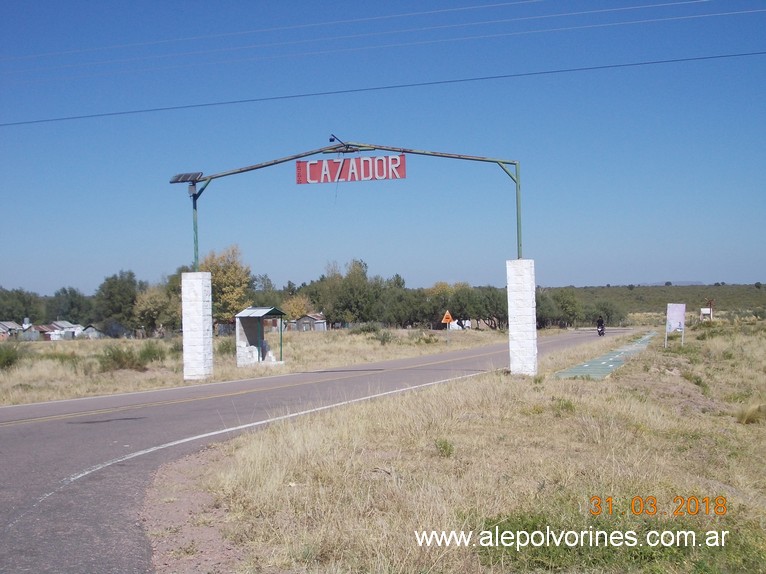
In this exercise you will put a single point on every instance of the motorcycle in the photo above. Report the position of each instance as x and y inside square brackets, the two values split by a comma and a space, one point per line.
[600, 330]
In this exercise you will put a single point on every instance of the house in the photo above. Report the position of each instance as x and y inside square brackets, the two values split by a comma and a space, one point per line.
[64, 330]
[311, 322]
[92, 332]
[36, 333]
[9, 329]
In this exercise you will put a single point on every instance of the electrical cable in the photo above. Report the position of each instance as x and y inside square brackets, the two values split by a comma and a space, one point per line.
[384, 88]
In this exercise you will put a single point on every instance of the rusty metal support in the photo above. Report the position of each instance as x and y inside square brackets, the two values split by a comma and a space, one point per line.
[510, 167]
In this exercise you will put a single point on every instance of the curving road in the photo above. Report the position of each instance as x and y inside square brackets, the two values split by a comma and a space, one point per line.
[73, 473]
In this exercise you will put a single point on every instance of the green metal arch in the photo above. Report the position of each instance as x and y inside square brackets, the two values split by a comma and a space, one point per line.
[510, 167]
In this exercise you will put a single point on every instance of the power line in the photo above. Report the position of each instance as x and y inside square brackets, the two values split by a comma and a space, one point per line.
[283, 28]
[385, 88]
[360, 36]
[417, 43]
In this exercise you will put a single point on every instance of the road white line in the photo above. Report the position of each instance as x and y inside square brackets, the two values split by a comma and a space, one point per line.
[77, 476]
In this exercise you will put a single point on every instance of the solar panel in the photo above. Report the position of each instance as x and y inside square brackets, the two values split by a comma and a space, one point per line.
[186, 177]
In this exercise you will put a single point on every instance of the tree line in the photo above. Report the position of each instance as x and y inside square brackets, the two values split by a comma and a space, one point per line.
[122, 303]
[351, 295]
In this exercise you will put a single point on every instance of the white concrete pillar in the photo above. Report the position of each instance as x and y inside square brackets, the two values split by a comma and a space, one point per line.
[522, 319]
[197, 316]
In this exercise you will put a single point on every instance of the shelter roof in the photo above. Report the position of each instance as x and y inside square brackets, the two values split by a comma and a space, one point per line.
[261, 312]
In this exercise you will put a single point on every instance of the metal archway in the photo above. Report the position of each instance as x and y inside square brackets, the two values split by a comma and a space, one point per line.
[510, 167]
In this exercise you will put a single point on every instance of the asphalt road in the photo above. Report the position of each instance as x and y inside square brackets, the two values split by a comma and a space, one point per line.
[73, 473]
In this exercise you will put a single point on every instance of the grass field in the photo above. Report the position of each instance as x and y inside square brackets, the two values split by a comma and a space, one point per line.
[54, 370]
[672, 443]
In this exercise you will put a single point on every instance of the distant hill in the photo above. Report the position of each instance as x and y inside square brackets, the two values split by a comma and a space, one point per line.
[678, 283]
[655, 298]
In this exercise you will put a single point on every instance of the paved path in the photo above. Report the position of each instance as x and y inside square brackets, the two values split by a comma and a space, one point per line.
[73, 473]
[603, 366]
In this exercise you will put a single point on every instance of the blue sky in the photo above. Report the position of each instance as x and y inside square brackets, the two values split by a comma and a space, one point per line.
[630, 173]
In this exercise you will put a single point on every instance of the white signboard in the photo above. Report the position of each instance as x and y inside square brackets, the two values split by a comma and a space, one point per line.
[676, 319]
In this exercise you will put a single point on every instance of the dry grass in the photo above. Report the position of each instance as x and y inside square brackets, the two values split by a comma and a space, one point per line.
[345, 491]
[55, 370]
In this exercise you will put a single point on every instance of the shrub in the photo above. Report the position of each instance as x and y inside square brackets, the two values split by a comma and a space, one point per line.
[115, 358]
[424, 338]
[9, 355]
[563, 406]
[444, 448]
[365, 328]
[151, 351]
[62, 358]
[177, 346]
[382, 336]
[697, 380]
[752, 414]
[227, 346]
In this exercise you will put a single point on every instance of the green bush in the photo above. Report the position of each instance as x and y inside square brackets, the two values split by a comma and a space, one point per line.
[423, 338]
[444, 447]
[226, 346]
[152, 351]
[63, 358]
[383, 336]
[177, 346]
[9, 355]
[363, 328]
[115, 358]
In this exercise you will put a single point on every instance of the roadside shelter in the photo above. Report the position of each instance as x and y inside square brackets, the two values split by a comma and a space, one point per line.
[252, 324]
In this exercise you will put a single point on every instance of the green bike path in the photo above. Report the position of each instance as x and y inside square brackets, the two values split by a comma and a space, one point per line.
[601, 367]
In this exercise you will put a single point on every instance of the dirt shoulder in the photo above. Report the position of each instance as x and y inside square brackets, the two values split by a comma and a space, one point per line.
[180, 517]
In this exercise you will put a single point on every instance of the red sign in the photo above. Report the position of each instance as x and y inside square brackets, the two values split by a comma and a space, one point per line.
[343, 169]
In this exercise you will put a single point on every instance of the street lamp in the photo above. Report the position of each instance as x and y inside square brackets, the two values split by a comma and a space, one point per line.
[192, 179]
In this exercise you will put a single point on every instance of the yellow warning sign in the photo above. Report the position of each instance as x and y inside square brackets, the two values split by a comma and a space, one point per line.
[447, 317]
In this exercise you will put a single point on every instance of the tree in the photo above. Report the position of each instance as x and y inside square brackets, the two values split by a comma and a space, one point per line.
[158, 307]
[355, 299]
[69, 304]
[421, 309]
[114, 300]
[394, 304]
[566, 300]
[17, 305]
[437, 301]
[493, 306]
[290, 289]
[264, 292]
[547, 310]
[173, 283]
[608, 310]
[396, 282]
[463, 304]
[324, 292]
[296, 306]
[231, 284]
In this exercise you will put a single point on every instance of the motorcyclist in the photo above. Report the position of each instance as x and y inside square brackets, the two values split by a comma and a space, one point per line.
[600, 325]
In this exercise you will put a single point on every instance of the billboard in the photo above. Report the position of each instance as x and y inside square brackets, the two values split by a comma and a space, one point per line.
[676, 319]
[369, 168]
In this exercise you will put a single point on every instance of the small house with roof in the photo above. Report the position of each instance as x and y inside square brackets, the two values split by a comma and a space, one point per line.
[9, 329]
[311, 322]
